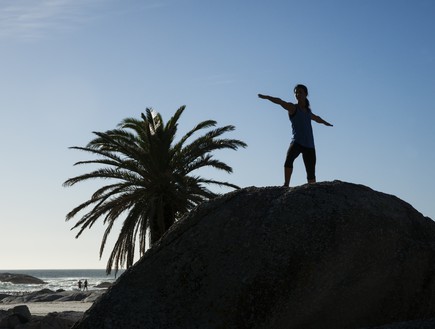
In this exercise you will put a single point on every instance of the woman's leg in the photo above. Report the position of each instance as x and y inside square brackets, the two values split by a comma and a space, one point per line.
[293, 152]
[287, 175]
[309, 156]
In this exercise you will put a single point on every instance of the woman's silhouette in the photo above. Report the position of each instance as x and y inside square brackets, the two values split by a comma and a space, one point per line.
[300, 115]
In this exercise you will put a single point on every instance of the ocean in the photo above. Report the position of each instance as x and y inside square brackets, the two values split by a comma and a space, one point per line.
[57, 279]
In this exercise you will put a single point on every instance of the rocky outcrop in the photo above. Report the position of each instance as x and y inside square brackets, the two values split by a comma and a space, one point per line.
[329, 255]
[47, 295]
[19, 278]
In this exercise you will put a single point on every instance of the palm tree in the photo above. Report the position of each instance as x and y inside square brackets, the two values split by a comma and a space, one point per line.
[153, 182]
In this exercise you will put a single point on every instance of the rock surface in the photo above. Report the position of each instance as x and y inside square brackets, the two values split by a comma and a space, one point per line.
[329, 255]
[19, 278]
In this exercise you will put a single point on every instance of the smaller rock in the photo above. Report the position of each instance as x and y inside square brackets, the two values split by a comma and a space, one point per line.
[22, 311]
[2, 296]
[16, 317]
[74, 297]
[42, 291]
[103, 285]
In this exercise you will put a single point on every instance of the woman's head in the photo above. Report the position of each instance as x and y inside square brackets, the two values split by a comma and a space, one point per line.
[301, 88]
[301, 93]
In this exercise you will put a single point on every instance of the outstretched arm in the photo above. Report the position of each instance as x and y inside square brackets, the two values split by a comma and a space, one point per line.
[286, 105]
[318, 119]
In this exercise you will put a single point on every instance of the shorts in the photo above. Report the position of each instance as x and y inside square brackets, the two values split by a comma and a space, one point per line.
[309, 156]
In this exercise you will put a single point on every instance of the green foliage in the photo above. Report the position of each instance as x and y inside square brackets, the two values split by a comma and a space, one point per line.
[152, 179]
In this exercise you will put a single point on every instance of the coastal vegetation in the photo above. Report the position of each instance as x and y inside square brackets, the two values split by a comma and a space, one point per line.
[152, 179]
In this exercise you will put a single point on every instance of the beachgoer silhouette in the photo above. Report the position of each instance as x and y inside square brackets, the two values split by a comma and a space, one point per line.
[80, 284]
[85, 285]
[300, 115]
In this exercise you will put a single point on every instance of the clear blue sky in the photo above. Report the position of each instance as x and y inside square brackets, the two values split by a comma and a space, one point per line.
[70, 67]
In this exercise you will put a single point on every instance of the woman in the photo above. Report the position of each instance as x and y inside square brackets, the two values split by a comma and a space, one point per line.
[303, 140]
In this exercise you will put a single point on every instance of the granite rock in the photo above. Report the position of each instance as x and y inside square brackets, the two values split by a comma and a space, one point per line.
[329, 255]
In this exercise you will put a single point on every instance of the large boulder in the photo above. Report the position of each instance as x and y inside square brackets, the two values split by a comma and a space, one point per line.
[329, 255]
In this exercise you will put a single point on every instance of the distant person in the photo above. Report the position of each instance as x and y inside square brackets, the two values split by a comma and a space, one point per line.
[300, 115]
[80, 284]
[85, 285]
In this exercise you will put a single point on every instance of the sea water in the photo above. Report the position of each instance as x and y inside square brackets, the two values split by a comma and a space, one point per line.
[58, 279]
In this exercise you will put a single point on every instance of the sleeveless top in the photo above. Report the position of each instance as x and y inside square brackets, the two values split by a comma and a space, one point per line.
[301, 128]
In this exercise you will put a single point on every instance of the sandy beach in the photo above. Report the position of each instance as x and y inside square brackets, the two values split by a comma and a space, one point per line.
[43, 308]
